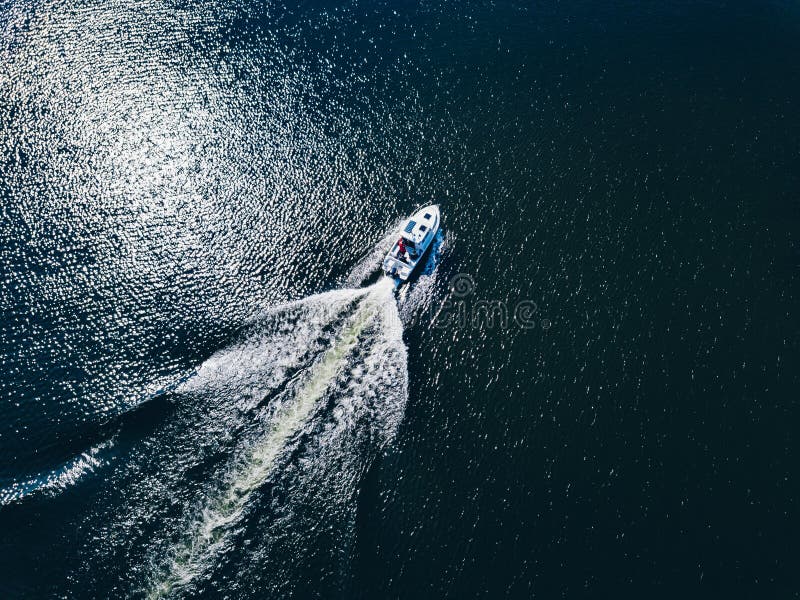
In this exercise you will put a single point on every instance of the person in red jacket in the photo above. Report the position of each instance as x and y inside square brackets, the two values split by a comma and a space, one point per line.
[401, 248]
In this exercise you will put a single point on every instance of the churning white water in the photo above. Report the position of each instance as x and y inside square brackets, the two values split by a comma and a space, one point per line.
[341, 353]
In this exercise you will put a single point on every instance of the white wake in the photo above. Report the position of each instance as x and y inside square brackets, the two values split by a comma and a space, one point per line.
[344, 349]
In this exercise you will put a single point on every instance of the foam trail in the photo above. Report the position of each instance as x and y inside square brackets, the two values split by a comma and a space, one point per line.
[375, 306]
[58, 479]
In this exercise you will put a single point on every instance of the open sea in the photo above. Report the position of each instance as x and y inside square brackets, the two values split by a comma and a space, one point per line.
[207, 390]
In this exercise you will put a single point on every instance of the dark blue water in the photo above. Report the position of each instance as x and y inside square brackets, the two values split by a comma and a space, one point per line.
[590, 392]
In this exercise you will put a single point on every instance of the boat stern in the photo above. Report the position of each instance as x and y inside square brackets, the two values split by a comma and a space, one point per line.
[396, 268]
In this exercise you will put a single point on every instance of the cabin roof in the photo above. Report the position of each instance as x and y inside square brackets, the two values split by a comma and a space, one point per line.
[414, 231]
[416, 228]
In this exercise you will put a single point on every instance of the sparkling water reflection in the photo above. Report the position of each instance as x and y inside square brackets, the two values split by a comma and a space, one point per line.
[171, 172]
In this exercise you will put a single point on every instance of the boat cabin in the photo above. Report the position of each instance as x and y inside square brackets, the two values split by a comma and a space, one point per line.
[417, 231]
[417, 234]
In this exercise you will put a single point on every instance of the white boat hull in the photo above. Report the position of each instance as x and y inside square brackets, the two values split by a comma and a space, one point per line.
[417, 232]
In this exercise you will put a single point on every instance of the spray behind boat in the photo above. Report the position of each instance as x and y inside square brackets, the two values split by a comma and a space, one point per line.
[309, 396]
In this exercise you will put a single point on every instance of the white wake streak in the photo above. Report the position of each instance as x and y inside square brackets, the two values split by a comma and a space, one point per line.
[68, 474]
[189, 558]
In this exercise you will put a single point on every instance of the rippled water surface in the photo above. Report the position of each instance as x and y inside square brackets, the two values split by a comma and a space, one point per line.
[591, 391]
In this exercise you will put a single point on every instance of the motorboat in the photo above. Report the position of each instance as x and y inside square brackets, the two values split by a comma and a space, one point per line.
[415, 237]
